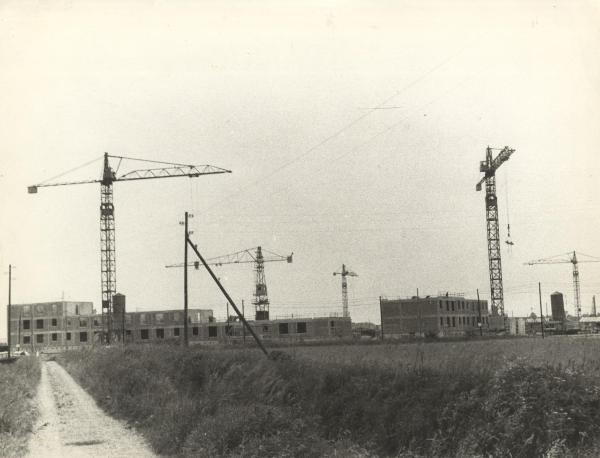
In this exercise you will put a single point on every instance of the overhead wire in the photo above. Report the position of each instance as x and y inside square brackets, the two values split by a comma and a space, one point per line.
[70, 171]
[339, 131]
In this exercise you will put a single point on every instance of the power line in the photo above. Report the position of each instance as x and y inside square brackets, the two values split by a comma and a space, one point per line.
[341, 130]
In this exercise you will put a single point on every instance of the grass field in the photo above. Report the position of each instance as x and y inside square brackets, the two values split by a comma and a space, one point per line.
[519, 398]
[573, 351]
[18, 382]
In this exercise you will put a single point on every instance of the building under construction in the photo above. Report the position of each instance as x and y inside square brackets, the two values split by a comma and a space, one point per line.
[448, 315]
[57, 326]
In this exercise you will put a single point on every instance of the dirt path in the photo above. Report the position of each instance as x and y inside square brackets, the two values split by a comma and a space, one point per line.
[71, 425]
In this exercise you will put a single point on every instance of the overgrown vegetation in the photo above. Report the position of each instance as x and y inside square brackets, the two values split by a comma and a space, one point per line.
[18, 383]
[421, 400]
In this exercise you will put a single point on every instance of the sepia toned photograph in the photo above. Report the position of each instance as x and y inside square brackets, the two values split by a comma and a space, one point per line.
[258, 228]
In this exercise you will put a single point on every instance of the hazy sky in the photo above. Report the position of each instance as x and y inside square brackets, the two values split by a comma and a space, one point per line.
[282, 93]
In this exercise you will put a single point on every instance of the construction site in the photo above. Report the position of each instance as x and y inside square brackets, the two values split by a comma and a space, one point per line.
[299, 229]
[63, 325]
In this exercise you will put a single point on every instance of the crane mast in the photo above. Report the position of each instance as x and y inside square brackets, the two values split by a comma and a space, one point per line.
[345, 273]
[576, 284]
[489, 167]
[107, 245]
[261, 299]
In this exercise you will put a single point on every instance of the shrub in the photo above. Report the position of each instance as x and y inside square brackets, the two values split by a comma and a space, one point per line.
[433, 400]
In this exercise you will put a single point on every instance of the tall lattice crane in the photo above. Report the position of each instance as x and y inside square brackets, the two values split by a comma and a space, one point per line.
[489, 167]
[107, 214]
[569, 258]
[345, 273]
[256, 257]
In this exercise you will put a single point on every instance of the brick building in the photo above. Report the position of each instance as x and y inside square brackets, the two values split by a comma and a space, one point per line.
[57, 326]
[433, 316]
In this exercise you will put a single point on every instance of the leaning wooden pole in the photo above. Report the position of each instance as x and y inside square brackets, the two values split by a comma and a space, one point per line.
[237, 311]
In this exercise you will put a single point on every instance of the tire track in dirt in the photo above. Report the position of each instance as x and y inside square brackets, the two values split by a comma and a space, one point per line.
[70, 423]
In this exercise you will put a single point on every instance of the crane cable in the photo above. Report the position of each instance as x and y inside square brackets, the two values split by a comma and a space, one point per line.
[71, 170]
[508, 241]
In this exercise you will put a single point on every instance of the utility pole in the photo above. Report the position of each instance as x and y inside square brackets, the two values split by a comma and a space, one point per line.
[479, 310]
[381, 317]
[185, 283]
[419, 311]
[541, 314]
[8, 311]
[32, 342]
[19, 333]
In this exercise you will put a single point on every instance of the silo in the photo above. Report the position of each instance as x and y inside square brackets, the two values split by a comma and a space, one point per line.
[558, 306]
[118, 318]
[118, 305]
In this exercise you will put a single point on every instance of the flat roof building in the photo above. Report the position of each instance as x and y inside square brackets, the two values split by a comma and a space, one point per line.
[64, 324]
[58, 326]
[432, 316]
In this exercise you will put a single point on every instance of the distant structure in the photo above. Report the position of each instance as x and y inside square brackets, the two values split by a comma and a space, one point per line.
[433, 316]
[345, 273]
[517, 326]
[558, 306]
[254, 256]
[569, 258]
[593, 305]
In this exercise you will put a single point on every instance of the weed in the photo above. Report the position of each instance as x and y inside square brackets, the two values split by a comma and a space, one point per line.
[459, 398]
[18, 382]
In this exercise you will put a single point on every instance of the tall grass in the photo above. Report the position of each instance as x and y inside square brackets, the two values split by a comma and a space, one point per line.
[18, 382]
[463, 399]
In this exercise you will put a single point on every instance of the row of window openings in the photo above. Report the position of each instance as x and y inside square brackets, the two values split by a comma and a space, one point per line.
[160, 333]
[158, 318]
[462, 321]
[39, 338]
[39, 324]
[460, 305]
[41, 308]
[212, 331]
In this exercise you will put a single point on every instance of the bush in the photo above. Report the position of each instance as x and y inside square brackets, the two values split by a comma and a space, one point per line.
[224, 403]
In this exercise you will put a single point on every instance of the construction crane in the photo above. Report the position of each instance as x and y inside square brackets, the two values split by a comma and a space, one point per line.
[489, 167]
[345, 273]
[569, 258]
[256, 257]
[107, 214]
